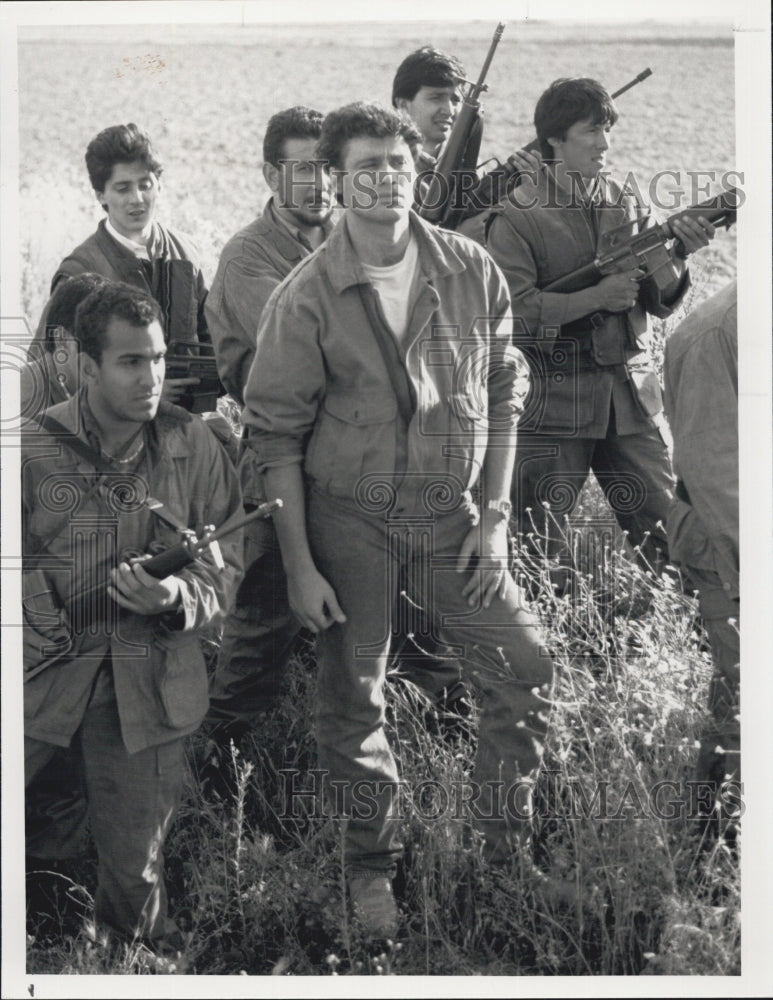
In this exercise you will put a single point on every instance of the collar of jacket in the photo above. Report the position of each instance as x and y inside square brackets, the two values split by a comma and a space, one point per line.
[166, 438]
[157, 244]
[437, 258]
[281, 238]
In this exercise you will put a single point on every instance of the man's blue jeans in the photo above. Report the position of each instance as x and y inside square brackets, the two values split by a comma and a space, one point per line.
[362, 552]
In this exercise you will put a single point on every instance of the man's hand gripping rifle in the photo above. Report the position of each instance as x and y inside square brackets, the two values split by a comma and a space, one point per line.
[191, 547]
[650, 250]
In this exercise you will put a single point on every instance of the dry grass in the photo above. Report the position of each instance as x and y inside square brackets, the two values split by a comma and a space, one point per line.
[244, 880]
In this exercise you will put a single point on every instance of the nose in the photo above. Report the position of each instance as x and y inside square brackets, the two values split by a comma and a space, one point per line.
[603, 142]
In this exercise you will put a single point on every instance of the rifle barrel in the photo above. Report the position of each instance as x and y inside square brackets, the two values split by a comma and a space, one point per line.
[632, 83]
[487, 62]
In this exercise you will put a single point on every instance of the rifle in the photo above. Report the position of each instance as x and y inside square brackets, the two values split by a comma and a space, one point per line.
[85, 609]
[439, 201]
[494, 185]
[192, 359]
[648, 250]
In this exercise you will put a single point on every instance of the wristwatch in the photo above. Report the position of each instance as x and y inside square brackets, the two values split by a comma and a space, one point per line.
[503, 507]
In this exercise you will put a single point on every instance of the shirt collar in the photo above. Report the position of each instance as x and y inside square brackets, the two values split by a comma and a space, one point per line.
[138, 249]
[437, 259]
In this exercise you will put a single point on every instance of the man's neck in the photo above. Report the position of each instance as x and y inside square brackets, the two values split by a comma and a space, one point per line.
[140, 239]
[573, 182]
[379, 245]
[113, 434]
[314, 235]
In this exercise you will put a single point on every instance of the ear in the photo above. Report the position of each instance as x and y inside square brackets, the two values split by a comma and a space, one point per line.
[555, 143]
[401, 104]
[88, 367]
[99, 195]
[271, 176]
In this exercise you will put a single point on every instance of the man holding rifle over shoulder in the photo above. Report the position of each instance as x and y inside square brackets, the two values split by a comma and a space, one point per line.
[595, 399]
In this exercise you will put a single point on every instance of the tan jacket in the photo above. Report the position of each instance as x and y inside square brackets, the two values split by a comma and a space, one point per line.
[252, 264]
[158, 667]
[538, 235]
[701, 394]
[319, 390]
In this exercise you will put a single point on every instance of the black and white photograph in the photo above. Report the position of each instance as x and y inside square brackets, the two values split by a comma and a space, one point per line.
[386, 456]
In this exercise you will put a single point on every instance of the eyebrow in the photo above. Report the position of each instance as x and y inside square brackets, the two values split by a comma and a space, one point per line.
[135, 354]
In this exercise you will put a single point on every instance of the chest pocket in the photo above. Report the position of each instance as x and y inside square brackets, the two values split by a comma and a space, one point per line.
[355, 434]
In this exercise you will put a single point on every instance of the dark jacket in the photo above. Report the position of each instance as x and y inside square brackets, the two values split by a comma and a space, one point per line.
[173, 278]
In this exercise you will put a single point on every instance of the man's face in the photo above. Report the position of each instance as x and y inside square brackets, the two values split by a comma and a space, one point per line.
[302, 184]
[433, 110]
[130, 198]
[584, 149]
[378, 178]
[126, 384]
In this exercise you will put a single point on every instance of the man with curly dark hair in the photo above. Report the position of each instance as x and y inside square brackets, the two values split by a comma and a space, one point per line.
[384, 390]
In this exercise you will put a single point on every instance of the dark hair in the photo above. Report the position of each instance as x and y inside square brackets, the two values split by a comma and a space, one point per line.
[114, 298]
[426, 67]
[294, 123]
[67, 296]
[360, 119]
[118, 144]
[567, 101]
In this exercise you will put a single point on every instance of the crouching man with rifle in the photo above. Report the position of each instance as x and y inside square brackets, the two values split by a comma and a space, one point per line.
[110, 477]
[595, 401]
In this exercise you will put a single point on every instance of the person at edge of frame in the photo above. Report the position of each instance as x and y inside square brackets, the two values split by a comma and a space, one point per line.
[51, 374]
[119, 676]
[261, 629]
[596, 402]
[364, 411]
[700, 374]
[130, 245]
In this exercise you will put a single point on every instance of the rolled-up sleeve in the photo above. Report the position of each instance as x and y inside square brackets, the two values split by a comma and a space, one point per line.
[508, 377]
[286, 381]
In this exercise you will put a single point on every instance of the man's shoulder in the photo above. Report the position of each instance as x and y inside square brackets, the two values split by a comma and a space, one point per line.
[713, 320]
[184, 246]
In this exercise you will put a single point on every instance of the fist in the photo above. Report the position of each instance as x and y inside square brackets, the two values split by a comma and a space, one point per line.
[619, 292]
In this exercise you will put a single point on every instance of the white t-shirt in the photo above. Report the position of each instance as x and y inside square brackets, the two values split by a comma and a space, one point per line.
[394, 285]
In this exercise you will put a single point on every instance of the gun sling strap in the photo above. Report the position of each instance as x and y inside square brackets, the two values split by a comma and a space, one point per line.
[104, 468]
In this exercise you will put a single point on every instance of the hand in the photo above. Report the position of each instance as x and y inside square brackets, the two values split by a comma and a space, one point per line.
[526, 162]
[313, 600]
[134, 589]
[174, 388]
[693, 234]
[487, 541]
[619, 292]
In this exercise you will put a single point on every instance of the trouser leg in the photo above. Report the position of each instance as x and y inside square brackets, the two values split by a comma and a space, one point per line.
[634, 471]
[550, 472]
[55, 805]
[132, 802]
[258, 637]
[719, 755]
[352, 552]
[505, 659]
